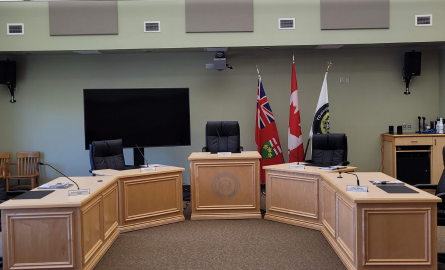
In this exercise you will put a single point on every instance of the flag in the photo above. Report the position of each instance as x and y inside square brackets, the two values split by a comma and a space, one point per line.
[294, 137]
[266, 134]
[320, 124]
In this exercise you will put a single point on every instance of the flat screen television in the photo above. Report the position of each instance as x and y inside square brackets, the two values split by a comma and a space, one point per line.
[146, 117]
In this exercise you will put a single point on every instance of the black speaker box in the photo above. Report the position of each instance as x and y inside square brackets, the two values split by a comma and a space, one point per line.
[7, 72]
[391, 130]
[412, 64]
[399, 130]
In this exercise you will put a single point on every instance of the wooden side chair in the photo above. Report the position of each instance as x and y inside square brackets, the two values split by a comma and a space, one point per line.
[27, 168]
[4, 158]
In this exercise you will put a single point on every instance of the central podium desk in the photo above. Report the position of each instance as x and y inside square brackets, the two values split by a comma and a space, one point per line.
[225, 187]
[293, 195]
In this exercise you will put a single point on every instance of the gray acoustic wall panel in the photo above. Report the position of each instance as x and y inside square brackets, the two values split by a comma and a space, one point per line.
[203, 16]
[68, 18]
[354, 14]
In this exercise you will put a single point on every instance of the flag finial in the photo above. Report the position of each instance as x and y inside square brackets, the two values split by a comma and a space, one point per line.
[257, 70]
[293, 57]
[329, 65]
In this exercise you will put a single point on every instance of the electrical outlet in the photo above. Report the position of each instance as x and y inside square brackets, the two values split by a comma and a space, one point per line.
[347, 80]
[404, 126]
[409, 126]
[342, 80]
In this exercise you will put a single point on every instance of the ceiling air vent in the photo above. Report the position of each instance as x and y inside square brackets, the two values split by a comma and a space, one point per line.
[15, 29]
[424, 20]
[286, 23]
[152, 26]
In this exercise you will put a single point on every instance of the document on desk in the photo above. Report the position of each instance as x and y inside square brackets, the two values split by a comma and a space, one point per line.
[55, 186]
[102, 174]
[333, 168]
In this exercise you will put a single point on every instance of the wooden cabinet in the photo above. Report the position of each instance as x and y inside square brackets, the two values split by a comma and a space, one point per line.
[430, 145]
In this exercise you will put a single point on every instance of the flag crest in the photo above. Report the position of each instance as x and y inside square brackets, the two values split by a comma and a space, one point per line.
[266, 134]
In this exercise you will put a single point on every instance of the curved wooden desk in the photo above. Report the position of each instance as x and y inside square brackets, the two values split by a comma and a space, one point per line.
[372, 230]
[293, 195]
[74, 232]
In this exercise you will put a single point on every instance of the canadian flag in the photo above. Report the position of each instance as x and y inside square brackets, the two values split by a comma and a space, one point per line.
[295, 137]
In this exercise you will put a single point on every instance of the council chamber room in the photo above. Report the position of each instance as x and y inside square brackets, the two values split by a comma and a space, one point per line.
[212, 134]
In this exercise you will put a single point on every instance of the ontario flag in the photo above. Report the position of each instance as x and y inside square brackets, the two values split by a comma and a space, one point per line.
[295, 137]
[266, 134]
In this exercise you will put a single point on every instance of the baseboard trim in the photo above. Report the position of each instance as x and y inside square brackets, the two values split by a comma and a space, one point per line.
[148, 224]
[226, 216]
[291, 221]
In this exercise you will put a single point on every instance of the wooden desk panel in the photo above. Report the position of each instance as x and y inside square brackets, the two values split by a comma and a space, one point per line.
[379, 230]
[292, 195]
[225, 187]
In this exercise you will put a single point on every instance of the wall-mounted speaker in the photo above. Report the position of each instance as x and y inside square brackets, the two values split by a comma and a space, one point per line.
[7, 72]
[412, 64]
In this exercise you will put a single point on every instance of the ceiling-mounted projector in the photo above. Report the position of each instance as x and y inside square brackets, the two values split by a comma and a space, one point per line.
[219, 62]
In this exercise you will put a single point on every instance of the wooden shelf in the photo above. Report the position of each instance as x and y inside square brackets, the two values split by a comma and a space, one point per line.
[416, 151]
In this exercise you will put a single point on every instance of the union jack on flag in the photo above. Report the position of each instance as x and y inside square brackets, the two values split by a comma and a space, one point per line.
[265, 115]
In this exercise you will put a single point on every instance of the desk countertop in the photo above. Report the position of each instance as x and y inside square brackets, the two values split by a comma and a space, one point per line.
[60, 198]
[308, 169]
[137, 172]
[375, 194]
[207, 155]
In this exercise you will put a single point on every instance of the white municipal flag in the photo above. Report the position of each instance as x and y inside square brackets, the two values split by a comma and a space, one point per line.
[320, 124]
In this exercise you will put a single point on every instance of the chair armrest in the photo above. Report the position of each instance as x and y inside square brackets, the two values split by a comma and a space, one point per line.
[204, 149]
[309, 161]
[241, 148]
[441, 195]
[344, 163]
[426, 186]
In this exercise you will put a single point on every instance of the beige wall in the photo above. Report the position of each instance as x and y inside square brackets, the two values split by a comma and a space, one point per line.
[48, 115]
[171, 13]
[442, 80]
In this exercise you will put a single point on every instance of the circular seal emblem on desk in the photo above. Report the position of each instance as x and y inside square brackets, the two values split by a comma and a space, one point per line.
[225, 185]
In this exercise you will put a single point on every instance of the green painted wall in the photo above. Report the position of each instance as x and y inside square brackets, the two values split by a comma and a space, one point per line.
[171, 13]
[442, 80]
[48, 115]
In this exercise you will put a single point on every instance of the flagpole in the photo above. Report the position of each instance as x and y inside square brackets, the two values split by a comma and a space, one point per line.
[305, 151]
[293, 57]
[329, 65]
[257, 70]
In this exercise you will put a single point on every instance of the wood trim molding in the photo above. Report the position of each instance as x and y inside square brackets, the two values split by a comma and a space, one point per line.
[116, 224]
[9, 251]
[328, 227]
[226, 216]
[313, 180]
[148, 224]
[222, 163]
[145, 180]
[351, 253]
[367, 212]
[88, 254]
[292, 221]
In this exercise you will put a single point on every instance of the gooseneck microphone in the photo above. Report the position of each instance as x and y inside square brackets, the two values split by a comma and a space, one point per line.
[142, 155]
[294, 156]
[219, 140]
[339, 176]
[60, 173]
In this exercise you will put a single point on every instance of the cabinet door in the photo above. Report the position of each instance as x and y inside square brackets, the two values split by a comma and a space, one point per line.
[437, 160]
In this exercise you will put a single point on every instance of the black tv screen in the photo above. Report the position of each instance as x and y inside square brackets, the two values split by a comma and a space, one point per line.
[146, 117]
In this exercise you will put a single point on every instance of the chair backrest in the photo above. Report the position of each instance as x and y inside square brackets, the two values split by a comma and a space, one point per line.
[223, 136]
[107, 155]
[28, 163]
[4, 157]
[329, 149]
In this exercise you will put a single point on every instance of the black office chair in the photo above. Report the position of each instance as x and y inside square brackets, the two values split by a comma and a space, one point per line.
[329, 150]
[108, 155]
[440, 192]
[222, 137]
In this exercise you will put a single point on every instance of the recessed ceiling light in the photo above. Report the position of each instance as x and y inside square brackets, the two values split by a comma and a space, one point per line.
[335, 46]
[88, 52]
[217, 49]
